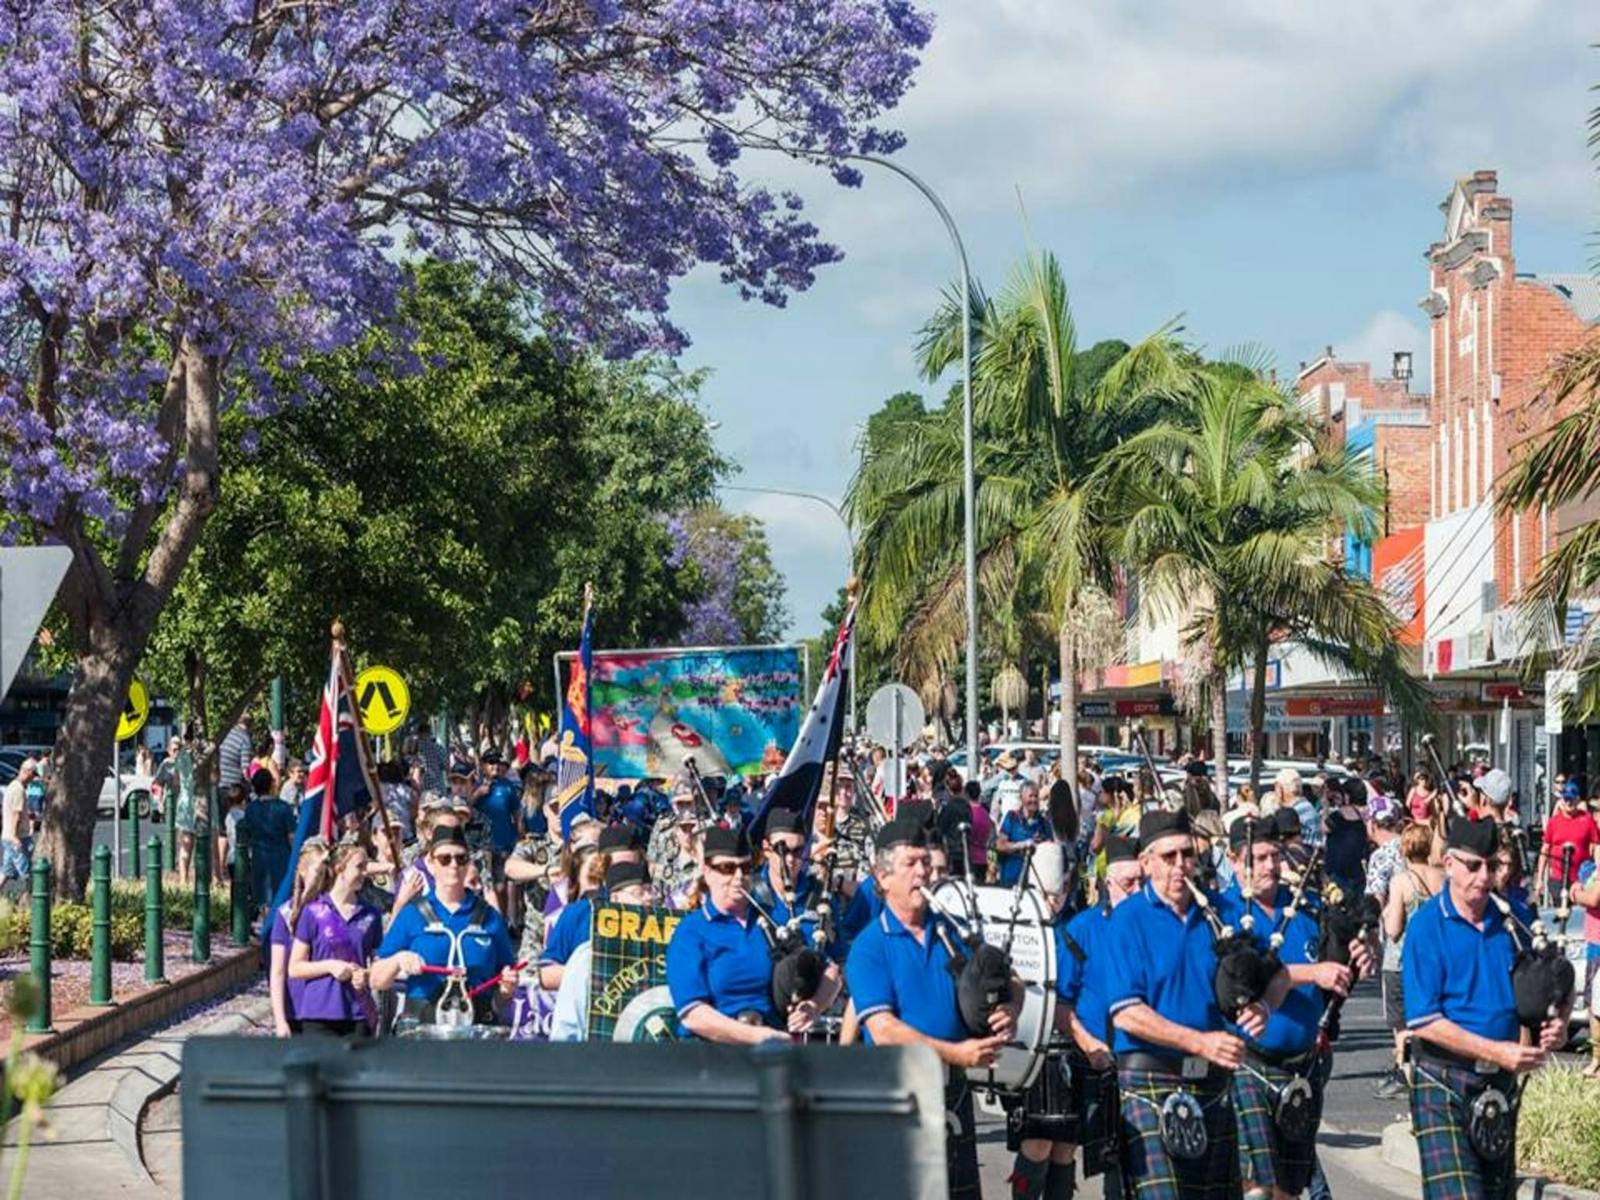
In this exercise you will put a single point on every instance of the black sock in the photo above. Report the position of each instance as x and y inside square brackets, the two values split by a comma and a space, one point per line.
[1062, 1181]
[1028, 1178]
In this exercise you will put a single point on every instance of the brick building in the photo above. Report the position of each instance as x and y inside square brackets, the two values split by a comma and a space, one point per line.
[1382, 418]
[1494, 334]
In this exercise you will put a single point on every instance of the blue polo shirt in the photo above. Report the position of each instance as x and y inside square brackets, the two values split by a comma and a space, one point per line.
[1165, 961]
[501, 805]
[1293, 1027]
[862, 910]
[571, 931]
[1082, 984]
[485, 952]
[1452, 969]
[1017, 828]
[890, 971]
[805, 900]
[715, 959]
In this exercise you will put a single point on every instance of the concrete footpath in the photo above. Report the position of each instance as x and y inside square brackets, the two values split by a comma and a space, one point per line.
[90, 1147]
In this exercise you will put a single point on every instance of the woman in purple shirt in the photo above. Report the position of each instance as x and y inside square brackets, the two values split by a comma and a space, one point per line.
[335, 938]
[285, 991]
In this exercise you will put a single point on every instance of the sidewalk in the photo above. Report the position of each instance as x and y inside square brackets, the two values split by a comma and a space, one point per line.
[91, 1148]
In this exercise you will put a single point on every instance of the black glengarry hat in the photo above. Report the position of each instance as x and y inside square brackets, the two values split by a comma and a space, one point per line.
[1158, 823]
[1475, 835]
[728, 843]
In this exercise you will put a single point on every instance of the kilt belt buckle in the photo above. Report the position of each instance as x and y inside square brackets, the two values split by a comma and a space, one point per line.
[1183, 1126]
[1491, 1124]
[1195, 1066]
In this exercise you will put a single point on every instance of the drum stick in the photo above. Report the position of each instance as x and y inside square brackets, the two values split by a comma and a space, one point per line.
[474, 993]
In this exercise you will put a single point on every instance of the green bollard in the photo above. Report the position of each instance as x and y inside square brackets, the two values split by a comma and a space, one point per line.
[100, 947]
[39, 944]
[201, 941]
[155, 949]
[134, 871]
[241, 887]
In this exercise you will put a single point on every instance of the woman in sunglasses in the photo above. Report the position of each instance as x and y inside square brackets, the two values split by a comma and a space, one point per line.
[453, 929]
[719, 963]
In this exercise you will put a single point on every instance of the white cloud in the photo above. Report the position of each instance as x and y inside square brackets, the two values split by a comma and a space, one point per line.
[1377, 340]
[1141, 100]
[809, 545]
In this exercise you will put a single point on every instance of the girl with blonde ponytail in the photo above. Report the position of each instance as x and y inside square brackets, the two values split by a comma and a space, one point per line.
[308, 867]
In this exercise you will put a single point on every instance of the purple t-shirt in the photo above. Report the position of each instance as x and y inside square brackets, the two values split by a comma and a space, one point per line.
[328, 935]
[281, 936]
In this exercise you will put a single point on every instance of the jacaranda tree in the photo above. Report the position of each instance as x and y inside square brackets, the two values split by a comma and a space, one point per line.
[195, 197]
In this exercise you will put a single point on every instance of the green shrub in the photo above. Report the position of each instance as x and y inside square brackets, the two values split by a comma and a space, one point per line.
[72, 931]
[1559, 1130]
[177, 902]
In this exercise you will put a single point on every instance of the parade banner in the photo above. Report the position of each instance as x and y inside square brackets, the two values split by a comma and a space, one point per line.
[628, 997]
[731, 709]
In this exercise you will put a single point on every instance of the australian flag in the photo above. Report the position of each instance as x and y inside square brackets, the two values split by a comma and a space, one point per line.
[574, 749]
[335, 778]
[797, 785]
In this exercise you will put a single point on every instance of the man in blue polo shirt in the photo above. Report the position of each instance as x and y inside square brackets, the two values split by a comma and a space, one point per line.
[1277, 1093]
[1175, 1051]
[904, 994]
[1019, 830]
[719, 962]
[1083, 964]
[1456, 977]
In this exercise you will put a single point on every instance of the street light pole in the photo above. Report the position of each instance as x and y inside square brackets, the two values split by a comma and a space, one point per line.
[969, 469]
[849, 536]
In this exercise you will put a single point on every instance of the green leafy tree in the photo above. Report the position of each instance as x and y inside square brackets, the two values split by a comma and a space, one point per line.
[449, 517]
[1045, 415]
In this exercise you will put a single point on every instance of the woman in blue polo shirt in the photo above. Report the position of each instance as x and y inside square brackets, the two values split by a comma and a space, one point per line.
[719, 962]
[1456, 976]
[452, 928]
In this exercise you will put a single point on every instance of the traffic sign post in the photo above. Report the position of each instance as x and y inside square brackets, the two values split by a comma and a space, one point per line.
[894, 719]
[383, 698]
[135, 712]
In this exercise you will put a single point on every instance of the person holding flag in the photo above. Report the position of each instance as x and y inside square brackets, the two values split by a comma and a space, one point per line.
[574, 749]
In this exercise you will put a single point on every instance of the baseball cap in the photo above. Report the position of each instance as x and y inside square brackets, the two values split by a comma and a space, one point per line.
[1495, 784]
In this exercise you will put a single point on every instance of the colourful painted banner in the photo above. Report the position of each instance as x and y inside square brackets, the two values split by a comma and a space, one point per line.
[733, 710]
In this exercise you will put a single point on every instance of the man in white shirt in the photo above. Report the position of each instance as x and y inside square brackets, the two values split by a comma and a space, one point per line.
[15, 824]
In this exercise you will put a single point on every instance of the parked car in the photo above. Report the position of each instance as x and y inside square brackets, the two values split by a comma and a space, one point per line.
[135, 790]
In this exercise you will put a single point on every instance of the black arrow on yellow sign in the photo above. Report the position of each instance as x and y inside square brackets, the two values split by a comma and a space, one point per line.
[380, 689]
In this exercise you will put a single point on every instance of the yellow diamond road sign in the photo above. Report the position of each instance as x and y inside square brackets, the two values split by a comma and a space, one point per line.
[135, 711]
[384, 699]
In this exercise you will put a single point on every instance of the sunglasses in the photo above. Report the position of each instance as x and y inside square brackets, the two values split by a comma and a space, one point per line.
[1471, 865]
[786, 850]
[450, 860]
[729, 869]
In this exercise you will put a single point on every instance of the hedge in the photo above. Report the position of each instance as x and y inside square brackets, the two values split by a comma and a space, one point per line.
[1559, 1131]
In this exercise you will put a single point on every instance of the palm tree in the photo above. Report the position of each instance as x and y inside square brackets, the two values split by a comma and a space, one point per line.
[1226, 510]
[1045, 415]
[1560, 470]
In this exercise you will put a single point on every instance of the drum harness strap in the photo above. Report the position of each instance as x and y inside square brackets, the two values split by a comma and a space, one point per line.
[453, 1001]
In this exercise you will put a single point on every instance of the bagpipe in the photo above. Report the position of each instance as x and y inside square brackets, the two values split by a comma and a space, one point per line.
[1345, 917]
[1243, 972]
[982, 970]
[1543, 980]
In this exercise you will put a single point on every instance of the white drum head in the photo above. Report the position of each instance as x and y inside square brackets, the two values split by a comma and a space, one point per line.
[1033, 958]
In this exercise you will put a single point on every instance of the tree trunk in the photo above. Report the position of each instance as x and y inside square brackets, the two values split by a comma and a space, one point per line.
[1258, 711]
[1069, 706]
[1219, 732]
[111, 613]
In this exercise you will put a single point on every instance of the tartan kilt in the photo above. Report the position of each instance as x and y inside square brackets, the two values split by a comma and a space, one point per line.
[1154, 1174]
[1451, 1169]
[1266, 1158]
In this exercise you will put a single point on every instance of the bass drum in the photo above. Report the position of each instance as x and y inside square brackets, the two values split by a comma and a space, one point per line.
[1033, 959]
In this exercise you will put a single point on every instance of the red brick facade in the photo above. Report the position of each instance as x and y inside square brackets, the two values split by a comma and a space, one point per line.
[1493, 336]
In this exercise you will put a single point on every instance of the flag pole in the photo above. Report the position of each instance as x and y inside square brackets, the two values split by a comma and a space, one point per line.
[588, 693]
[363, 753]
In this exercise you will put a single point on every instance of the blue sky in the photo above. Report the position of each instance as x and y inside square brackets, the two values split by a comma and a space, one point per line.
[1269, 172]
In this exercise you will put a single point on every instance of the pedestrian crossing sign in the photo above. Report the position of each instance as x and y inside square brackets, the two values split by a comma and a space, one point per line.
[383, 698]
[135, 711]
